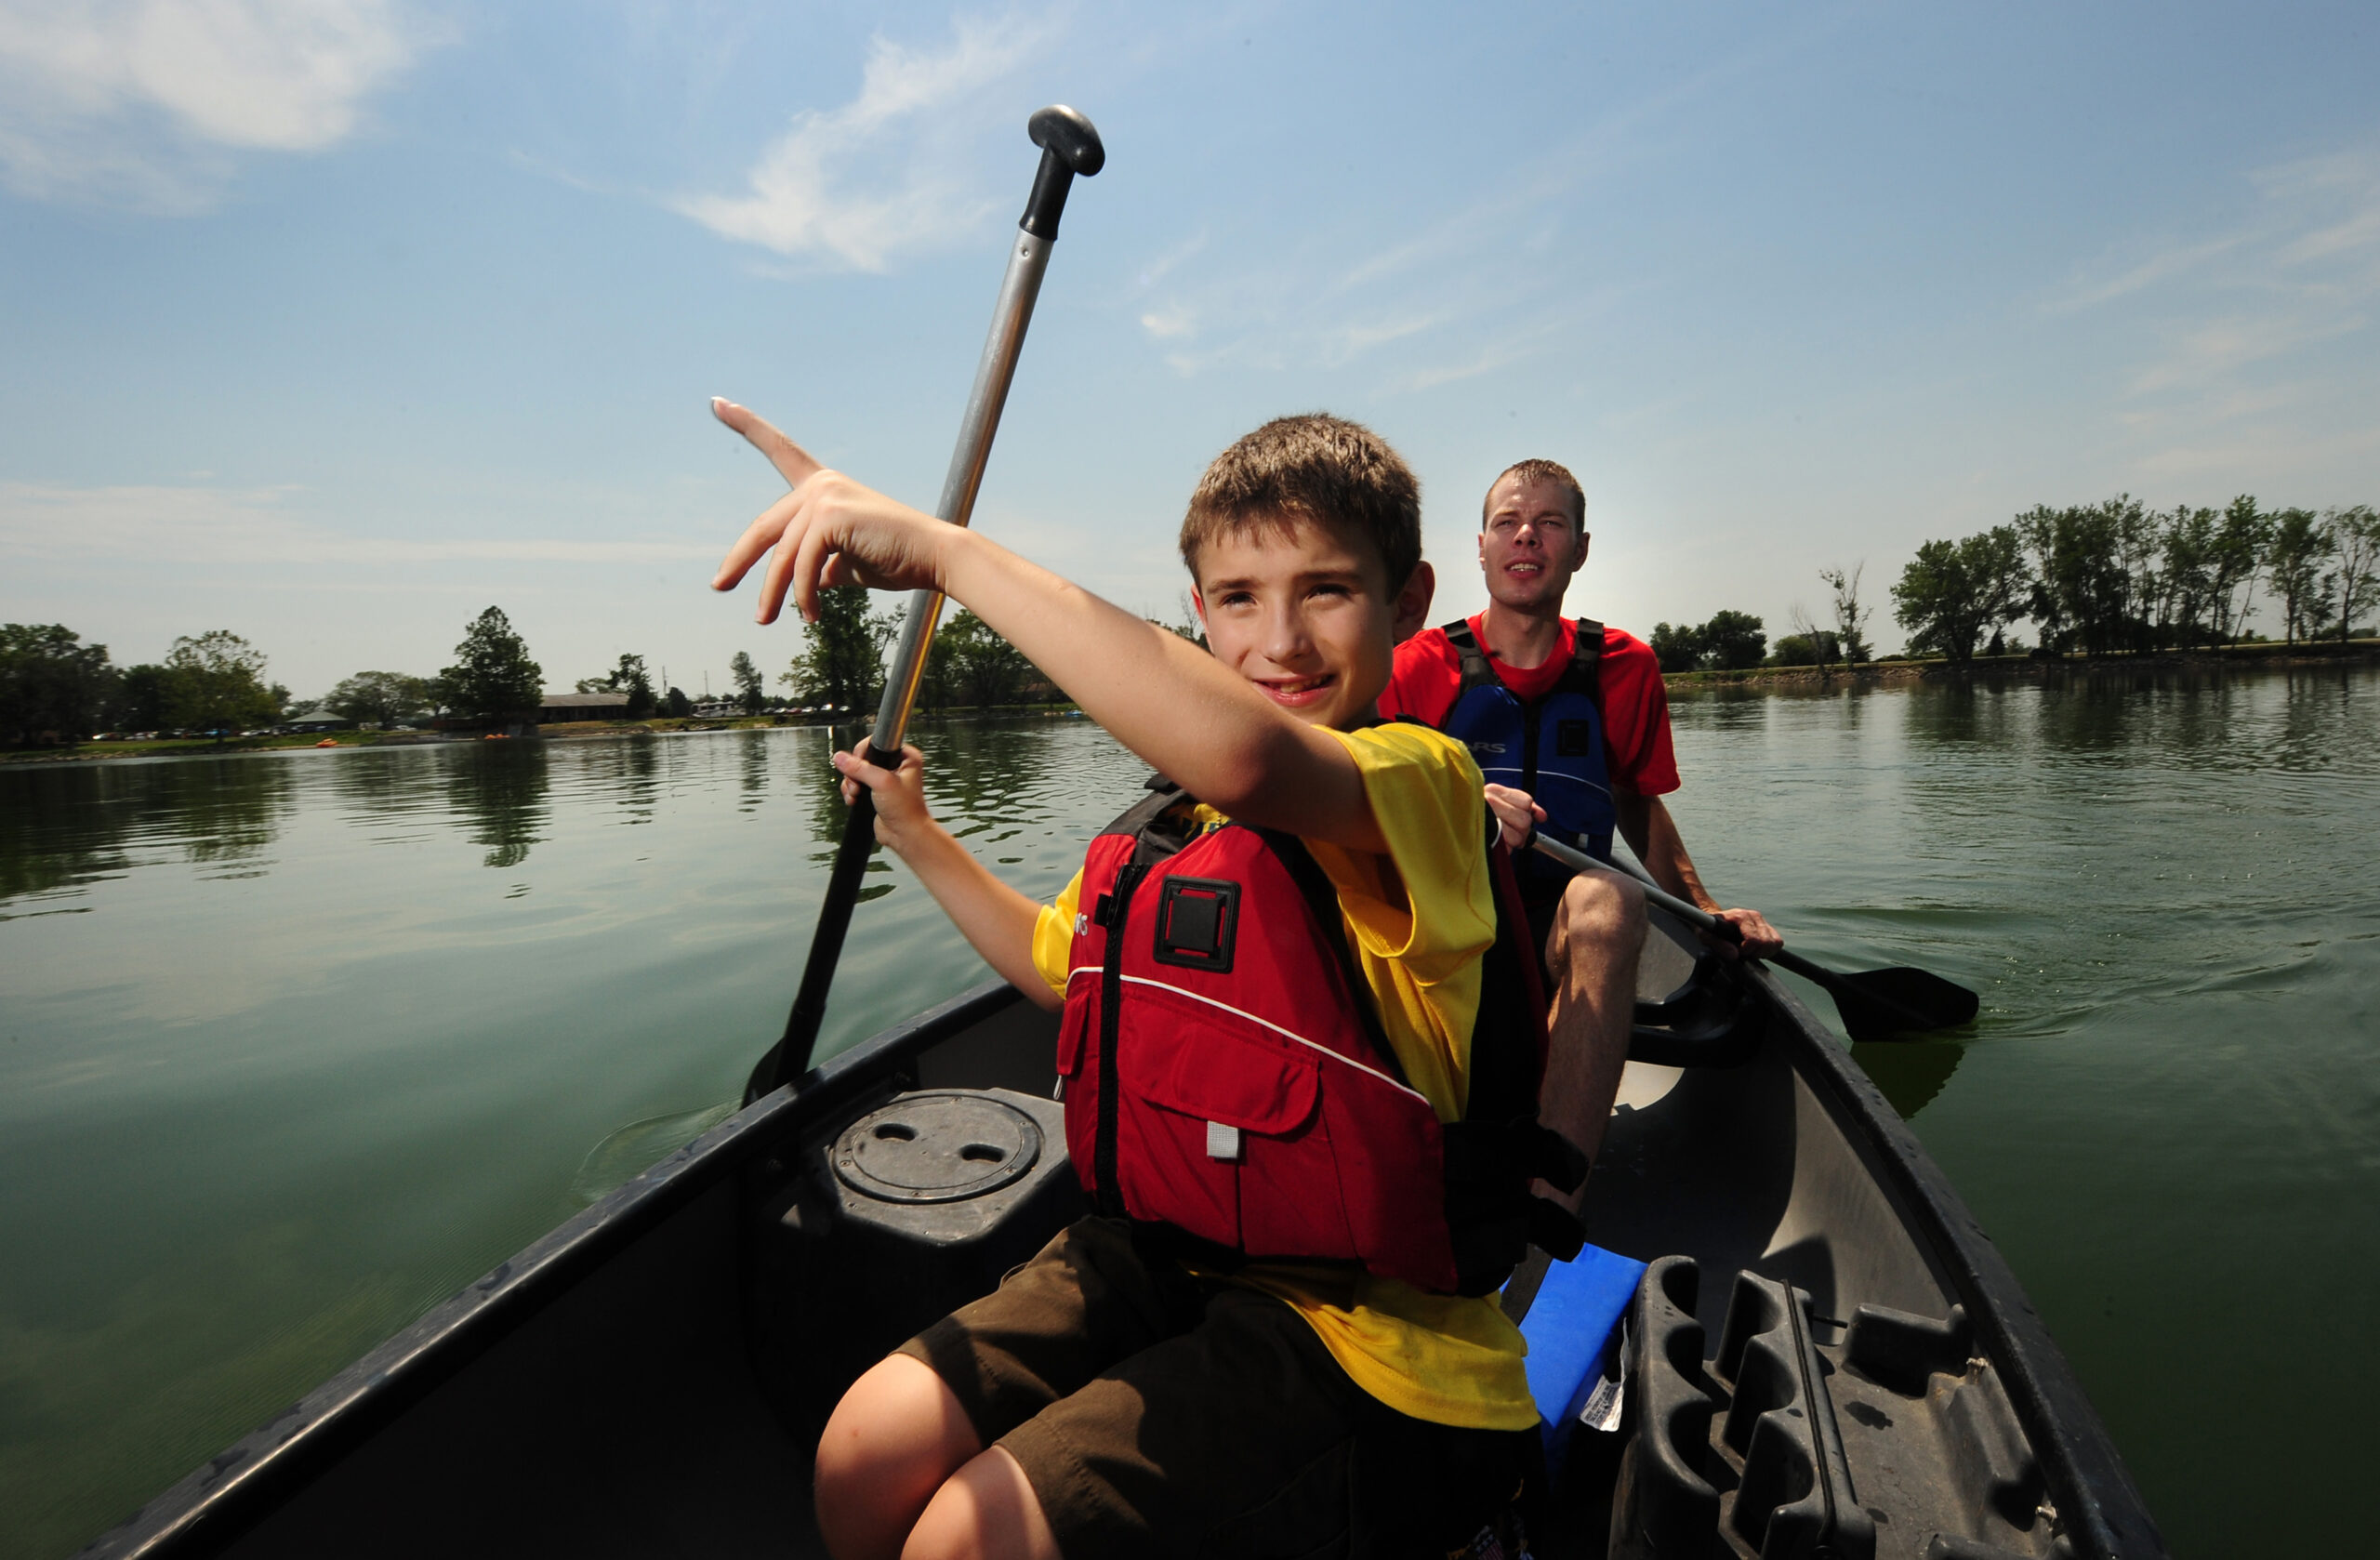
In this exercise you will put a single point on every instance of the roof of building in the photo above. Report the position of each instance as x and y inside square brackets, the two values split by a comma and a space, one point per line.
[581, 701]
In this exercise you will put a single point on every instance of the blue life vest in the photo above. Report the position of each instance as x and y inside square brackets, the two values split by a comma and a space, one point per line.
[1551, 747]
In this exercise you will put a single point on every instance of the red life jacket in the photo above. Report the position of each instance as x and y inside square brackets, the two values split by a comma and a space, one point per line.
[1227, 1081]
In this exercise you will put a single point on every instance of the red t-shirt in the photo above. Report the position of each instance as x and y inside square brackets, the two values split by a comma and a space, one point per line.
[1635, 704]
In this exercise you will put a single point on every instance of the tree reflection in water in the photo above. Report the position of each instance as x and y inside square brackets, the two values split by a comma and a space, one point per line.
[499, 789]
[98, 821]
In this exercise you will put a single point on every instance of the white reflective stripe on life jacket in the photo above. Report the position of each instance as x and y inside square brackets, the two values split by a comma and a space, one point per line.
[1339, 1056]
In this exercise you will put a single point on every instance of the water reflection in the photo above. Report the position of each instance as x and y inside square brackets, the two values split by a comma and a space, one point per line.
[226, 812]
[752, 761]
[500, 790]
[63, 827]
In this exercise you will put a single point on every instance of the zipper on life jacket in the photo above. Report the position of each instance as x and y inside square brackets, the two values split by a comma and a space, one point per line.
[1111, 911]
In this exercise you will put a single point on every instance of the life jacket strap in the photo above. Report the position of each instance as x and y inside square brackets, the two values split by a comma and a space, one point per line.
[1582, 674]
[1322, 902]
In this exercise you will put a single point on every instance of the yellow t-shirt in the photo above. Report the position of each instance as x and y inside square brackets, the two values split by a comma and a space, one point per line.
[1418, 918]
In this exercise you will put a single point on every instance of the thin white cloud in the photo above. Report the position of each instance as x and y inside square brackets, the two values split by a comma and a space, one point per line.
[882, 175]
[1170, 323]
[2210, 354]
[255, 526]
[142, 102]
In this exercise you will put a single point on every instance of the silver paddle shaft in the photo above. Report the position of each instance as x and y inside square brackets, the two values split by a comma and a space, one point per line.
[1026, 260]
[1579, 861]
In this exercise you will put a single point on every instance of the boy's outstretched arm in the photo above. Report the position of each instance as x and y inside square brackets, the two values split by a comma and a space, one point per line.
[1197, 722]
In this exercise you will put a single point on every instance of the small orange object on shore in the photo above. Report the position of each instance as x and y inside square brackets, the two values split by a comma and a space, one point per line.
[328, 741]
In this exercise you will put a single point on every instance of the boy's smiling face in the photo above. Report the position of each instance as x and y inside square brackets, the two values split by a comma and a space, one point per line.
[1306, 617]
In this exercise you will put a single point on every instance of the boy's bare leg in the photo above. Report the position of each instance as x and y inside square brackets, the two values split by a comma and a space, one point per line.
[896, 1438]
[1592, 953]
[986, 1511]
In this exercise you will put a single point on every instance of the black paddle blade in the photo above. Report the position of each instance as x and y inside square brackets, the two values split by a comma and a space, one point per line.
[1882, 1004]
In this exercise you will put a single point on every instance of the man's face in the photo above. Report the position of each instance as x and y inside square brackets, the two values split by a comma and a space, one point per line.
[1530, 545]
[1304, 616]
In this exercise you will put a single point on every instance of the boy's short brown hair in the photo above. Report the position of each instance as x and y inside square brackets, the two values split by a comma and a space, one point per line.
[1541, 471]
[1326, 471]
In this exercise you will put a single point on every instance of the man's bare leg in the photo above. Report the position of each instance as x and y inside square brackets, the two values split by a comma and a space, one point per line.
[1592, 952]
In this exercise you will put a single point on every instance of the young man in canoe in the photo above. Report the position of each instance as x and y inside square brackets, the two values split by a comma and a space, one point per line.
[1271, 1337]
[1573, 735]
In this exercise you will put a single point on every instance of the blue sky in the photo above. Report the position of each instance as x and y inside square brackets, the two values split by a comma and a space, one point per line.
[332, 322]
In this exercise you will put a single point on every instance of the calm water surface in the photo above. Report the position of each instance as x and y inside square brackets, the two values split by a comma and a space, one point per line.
[293, 1045]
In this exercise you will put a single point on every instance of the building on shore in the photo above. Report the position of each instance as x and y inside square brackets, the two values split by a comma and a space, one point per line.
[558, 707]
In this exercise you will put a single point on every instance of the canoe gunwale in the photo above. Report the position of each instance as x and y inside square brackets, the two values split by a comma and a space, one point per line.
[2100, 1511]
[213, 1505]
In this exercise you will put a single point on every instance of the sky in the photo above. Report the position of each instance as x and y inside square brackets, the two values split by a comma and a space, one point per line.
[333, 322]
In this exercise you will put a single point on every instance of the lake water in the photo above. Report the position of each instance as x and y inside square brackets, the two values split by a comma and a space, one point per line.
[293, 1045]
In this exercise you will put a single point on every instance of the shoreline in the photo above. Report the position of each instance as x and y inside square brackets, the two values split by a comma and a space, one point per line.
[1900, 673]
[1868, 674]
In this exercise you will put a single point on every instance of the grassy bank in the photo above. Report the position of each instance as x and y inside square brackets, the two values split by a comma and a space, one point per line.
[570, 731]
[2241, 657]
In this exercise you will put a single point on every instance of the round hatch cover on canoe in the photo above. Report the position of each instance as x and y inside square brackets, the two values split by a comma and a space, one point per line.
[937, 1148]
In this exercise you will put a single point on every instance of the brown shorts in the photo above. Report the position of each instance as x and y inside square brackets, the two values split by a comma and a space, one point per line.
[1157, 1413]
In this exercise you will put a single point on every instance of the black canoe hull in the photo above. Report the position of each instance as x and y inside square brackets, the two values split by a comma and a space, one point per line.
[628, 1385]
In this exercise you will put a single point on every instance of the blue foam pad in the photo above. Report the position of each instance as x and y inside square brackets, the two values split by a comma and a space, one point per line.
[1573, 1328]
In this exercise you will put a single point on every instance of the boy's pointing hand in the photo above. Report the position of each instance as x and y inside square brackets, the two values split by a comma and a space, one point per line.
[828, 531]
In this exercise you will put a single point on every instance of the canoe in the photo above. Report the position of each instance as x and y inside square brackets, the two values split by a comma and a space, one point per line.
[1825, 1357]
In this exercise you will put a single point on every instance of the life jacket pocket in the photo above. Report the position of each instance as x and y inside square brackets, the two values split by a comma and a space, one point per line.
[1222, 1128]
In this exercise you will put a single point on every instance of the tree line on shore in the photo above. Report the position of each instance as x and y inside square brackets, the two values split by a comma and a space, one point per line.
[55, 688]
[2118, 577]
[2101, 578]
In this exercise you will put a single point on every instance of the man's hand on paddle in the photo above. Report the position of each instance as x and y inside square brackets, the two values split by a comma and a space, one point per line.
[1760, 939]
[828, 531]
[1516, 811]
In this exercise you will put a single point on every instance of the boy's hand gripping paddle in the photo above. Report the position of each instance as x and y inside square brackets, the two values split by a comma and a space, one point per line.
[1069, 147]
[1875, 1004]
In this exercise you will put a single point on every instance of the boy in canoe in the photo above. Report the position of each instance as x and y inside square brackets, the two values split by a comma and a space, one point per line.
[1302, 1107]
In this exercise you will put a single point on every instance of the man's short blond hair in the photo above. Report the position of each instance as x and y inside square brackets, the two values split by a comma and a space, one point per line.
[1318, 469]
[1541, 471]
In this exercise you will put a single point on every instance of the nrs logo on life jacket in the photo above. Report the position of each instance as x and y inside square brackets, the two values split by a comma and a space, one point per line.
[1551, 747]
[1226, 1077]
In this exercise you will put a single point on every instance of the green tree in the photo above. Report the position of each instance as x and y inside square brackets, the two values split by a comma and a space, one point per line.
[2186, 581]
[749, 685]
[2293, 562]
[677, 704]
[53, 687]
[138, 701]
[630, 677]
[2238, 553]
[977, 668]
[215, 682]
[1733, 640]
[1953, 594]
[2355, 542]
[1806, 647]
[842, 661]
[1677, 647]
[493, 676]
[379, 699]
[2091, 564]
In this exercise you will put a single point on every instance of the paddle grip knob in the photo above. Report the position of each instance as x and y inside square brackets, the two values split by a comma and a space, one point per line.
[1069, 146]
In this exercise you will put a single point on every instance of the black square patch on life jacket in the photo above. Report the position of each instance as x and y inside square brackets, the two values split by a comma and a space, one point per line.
[1573, 738]
[1195, 921]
